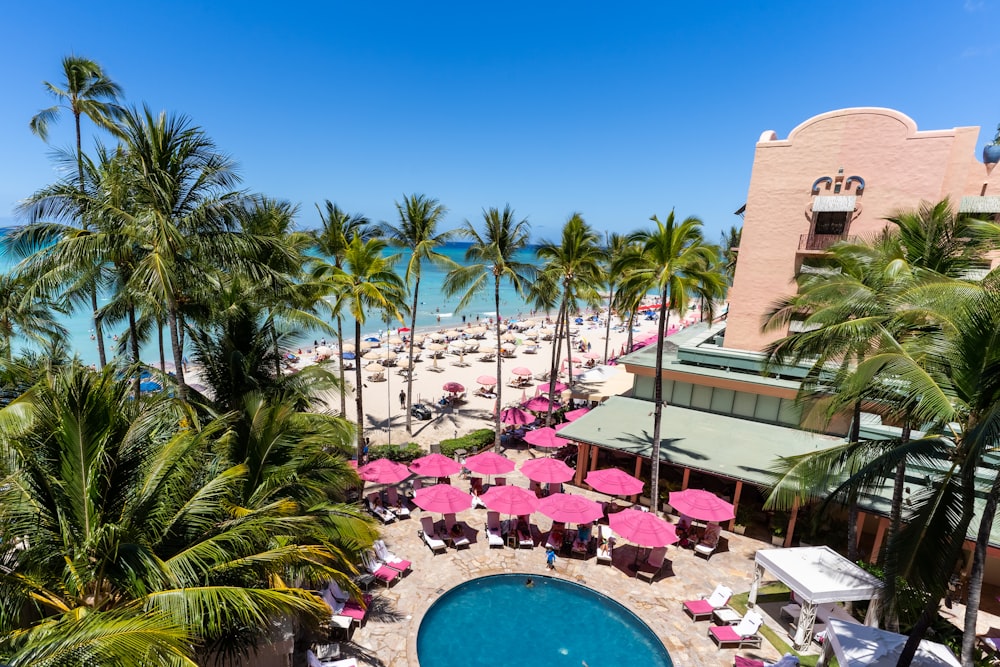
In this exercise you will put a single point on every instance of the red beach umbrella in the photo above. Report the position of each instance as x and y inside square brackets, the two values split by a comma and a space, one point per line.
[510, 500]
[443, 498]
[435, 465]
[614, 482]
[547, 470]
[569, 508]
[643, 528]
[383, 471]
[489, 463]
[700, 504]
[453, 387]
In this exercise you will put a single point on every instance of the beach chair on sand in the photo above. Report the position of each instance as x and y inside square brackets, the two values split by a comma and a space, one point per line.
[393, 500]
[494, 533]
[433, 542]
[651, 568]
[376, 508]
[743, 634]
[703, 608]
[455, 532]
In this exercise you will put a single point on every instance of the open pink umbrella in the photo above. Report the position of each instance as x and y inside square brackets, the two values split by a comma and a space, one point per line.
[486, 380]
[539, 404]
[453, 387]
[546, 470]
[489, 463]
[510, 500]
[516, 417]
[569, 508]
[435, 465]
[592, 355]
[700, 504]
[643, 528]
[614, 482]
[522, 371]
[544, 437]
[573, 415]
[553, 387]
[383, 471]
[443, 498]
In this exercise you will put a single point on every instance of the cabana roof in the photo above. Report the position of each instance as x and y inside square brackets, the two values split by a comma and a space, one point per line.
[819, 574]
[864, 646]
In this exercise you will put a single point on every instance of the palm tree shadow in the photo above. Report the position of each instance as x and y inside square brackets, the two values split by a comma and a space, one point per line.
[640, 444]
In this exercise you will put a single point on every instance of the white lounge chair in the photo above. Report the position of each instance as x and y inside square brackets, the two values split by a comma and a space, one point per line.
[704, 607]
[338, 619]
[605, 544]
[313, 661]
[376, 508]
[451, 526]
[379, 569]
[709, 540]
[433, 542]
[554, 540]
[653, 564]
[494, 534]
[390, 559]
[742, 634]
[524, 539]
[399, 508]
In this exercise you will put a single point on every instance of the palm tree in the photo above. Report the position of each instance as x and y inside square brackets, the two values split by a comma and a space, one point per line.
[366, 283]
[730, 244]
[86, 91]
[332, 239]
[132, 545]
[615, 245]
[417, 230]
[672, 262]
[575, 265]
[24, 314]
[492, 255]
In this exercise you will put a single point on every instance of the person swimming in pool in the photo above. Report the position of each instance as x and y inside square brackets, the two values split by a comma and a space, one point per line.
[529, 583]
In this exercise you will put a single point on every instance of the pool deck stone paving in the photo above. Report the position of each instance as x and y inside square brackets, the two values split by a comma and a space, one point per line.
[392, 642]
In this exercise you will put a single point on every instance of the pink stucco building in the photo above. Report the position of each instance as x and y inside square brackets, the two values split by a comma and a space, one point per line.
[838, 175]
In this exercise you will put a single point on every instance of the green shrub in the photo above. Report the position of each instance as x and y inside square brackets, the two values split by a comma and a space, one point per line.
[470, 442]
[399, 453]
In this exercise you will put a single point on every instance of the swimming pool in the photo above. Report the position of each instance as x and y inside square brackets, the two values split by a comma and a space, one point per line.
[499, 620]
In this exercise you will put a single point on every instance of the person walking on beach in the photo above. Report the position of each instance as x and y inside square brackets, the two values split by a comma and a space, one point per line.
[402, 399]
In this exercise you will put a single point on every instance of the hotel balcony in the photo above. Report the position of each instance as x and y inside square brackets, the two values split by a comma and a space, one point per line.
[818, 243]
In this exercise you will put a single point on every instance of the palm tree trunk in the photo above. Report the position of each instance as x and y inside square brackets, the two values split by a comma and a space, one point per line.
[409, 376]
[499, 402]
[631, 323]
[359, 404]
[98, 328]
[975, 586]
[569, 359]
[343, 387]
[889, 562]
[555, 359]
[607, 328]
[852, 511]
[134, 341]
[173, 324]
[654, 456]
[159, 336]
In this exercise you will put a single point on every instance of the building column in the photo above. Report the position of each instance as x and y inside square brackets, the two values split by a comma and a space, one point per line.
[804, 629]
[582, 452]
[686, 479]
[859, 528]
[736, 503]
[758, 575]
[791, 522]
[637, 475]
[594, 451]
[883, 524]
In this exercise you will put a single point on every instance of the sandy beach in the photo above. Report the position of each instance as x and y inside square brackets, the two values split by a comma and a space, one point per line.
[386, 420]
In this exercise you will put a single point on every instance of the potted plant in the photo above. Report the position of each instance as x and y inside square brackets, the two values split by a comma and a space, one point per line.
[779, 524]
[744, 514]
[991, 153]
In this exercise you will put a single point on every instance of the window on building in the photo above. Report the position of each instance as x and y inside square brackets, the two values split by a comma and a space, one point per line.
[831, 223]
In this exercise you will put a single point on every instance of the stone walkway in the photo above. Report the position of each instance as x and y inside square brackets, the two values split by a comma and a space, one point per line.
[389, 635]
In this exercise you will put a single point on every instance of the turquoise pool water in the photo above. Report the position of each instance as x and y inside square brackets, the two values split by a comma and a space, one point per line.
[498, 620]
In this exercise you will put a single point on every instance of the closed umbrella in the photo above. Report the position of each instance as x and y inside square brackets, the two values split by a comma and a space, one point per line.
[443, 498]
[568, 508]
[614, 482]
[702, 505]
[435, 465]
[643, 528]
[489, 463]
[551, 471]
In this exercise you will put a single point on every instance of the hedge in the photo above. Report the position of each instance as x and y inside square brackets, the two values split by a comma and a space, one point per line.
[399, 453]
[470, 442]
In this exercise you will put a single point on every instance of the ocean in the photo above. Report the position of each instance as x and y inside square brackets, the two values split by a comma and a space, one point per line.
[434, 310]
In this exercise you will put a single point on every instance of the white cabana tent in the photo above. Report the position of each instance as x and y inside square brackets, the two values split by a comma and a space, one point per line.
[818, 575]
[864, 646]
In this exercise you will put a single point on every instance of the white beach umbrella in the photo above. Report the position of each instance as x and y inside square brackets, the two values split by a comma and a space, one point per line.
[374, 368]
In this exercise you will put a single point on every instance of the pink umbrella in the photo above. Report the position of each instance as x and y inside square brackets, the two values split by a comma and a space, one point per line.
[486, 380]
[544, 437]
[435, 465]
[553, 387]
[489, 463]
[510, 500]
[643, 528]
[569, 508]
[443, 498]
[453, 387]
[592, 355]
[546, 470]
[516, 417]
[700, 504]
[573, 415]
[614, 482]
[383, 471]
[539, 404]
[522, 371]
[575, 360]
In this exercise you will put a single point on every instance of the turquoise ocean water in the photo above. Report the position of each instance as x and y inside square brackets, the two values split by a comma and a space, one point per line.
[434, 310]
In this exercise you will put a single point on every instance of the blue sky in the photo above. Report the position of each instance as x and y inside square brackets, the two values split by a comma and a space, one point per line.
[616, 110]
